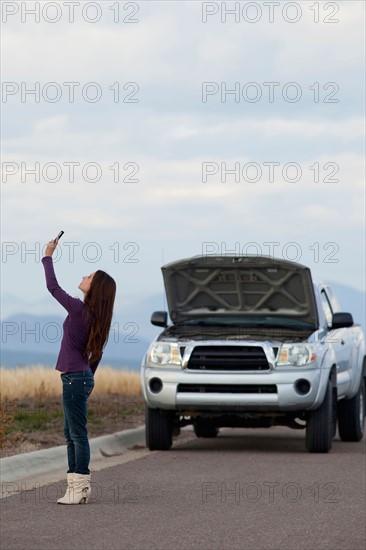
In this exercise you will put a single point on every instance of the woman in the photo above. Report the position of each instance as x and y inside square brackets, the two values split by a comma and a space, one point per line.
[85, 333]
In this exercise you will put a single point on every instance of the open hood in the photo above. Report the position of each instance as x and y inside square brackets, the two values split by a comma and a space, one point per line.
[247, 286]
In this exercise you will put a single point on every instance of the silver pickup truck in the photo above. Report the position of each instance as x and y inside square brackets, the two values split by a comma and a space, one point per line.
[255, 343]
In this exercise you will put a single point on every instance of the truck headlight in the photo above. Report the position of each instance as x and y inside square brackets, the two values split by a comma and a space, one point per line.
[164, 354]
[295, 355]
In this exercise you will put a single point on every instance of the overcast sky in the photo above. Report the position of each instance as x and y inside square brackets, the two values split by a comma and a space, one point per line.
[171, 96]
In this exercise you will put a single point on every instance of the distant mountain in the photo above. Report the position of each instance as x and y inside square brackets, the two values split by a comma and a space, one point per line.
[35, 338]
[135, 311]
[11, 305]
[12, 359]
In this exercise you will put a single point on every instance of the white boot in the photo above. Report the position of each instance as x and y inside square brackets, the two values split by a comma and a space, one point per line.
[70, 483]
[79, 492]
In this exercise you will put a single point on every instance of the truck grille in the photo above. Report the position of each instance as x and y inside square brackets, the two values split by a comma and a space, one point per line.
[227, 388]
[228, 358]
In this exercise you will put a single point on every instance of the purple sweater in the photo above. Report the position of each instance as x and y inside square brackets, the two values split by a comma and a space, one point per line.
[75, 333]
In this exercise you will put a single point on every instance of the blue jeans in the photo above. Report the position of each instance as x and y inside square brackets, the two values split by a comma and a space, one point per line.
[76, 389]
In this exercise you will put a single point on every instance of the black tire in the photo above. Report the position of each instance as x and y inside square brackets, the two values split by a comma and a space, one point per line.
[204, 428]
[159, 429]
[320, 425]
[351, 416]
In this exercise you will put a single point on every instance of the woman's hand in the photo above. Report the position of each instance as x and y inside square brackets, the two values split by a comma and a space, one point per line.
[51, 247]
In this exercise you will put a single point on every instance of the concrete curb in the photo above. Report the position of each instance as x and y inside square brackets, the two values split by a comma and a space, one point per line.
[27, 465]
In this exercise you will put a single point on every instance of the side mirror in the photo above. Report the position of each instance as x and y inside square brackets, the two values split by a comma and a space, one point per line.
[159, 318]
[342, 320]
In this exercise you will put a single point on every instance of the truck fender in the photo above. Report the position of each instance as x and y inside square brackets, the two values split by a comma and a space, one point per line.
[327, 371]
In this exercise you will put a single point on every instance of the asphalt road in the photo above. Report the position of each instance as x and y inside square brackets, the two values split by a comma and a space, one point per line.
[246, 489]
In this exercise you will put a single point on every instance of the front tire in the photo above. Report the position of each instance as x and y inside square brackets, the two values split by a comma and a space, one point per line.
[351, 416]
[319, 427]
[159, 429]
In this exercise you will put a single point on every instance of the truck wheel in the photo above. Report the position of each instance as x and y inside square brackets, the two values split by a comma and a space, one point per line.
[159, 429]
[351, 416]
[203, 428]
[319, 427]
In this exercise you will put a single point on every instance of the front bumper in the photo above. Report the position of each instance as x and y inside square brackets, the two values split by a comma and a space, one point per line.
[271, 391]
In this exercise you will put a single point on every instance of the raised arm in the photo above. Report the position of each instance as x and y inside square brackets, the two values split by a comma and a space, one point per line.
[70, 303]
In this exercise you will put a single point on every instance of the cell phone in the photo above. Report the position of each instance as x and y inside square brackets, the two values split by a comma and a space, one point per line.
[59, 235]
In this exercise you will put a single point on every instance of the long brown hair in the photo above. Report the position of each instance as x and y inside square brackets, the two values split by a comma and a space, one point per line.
[99, 301]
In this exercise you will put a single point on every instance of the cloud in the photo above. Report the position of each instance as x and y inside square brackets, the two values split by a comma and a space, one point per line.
[170, 132]
[347, 129]
[53, 124]
[60, 137]
[171, 190]
[171, 45]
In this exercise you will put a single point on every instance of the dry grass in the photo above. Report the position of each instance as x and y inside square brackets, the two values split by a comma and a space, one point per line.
[42, 382]
[7, 420]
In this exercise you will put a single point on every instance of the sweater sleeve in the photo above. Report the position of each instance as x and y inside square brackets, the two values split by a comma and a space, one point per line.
[70, 303]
